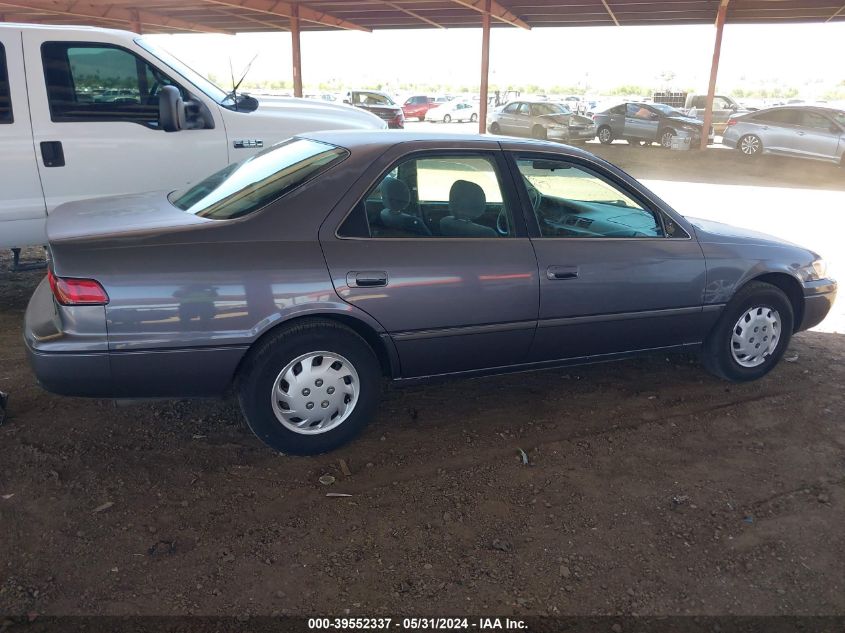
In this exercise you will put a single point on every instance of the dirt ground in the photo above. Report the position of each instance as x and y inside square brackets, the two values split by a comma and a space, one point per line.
[651, 488]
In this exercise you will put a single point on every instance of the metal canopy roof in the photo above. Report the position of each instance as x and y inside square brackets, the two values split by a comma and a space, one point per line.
[233, 16]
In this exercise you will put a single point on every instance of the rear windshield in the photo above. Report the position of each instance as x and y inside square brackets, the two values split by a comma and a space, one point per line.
[244, 187]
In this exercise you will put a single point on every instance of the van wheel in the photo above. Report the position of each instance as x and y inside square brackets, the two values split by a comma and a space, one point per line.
[447, 118]
[473, 118]
[605, 135]
[666, 137]
[752, 334]
[310, 387]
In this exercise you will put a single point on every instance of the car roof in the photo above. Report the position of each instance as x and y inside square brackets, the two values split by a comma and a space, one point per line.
[368, 139]
[66, 28]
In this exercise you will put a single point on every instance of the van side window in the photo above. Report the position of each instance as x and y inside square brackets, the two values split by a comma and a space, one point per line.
[5, 93]
[98, 82]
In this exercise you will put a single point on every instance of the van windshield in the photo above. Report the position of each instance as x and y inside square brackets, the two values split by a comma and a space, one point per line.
[244, 187]
[212, 91]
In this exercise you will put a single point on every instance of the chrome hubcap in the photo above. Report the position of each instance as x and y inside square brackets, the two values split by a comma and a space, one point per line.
[750, 145]
[604, 135]
[315, 392]
[667, 139]
[755, 336]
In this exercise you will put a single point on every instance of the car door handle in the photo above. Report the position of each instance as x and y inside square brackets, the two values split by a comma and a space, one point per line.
[52, 154]
[366, 279]
[562, 272]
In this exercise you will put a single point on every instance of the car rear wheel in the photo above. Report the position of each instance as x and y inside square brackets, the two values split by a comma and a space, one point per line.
[539, 132]
[473, 118]
[750, 145]
[447, 118]
[605, 135]
[309, 388]
[494, 128]
[752, 334]
[666, 137]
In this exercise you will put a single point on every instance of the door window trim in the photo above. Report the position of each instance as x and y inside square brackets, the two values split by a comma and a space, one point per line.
[530, 218]
[4, 71]
[510, 196]
[86, 44]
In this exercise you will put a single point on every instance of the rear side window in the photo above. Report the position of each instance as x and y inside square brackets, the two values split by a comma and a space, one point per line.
[98, 82]
[244, 187]
[783, 117]
[5, 93]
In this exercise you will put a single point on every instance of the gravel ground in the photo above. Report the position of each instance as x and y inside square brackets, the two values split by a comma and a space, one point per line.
[650, 488]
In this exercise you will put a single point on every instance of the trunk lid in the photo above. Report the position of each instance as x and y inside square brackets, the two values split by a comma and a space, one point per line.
[117, 216]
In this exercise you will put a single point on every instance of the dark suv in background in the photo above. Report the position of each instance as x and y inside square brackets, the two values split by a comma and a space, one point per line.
[379, 104]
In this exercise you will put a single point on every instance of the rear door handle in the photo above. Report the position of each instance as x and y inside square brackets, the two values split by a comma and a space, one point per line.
[366, 279]
[562, 272]
[52, 154]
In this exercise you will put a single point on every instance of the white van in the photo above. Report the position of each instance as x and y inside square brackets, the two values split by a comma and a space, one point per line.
[87, 112]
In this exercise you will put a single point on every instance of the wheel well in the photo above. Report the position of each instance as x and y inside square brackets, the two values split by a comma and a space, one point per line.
[359, 327]
[792, 289]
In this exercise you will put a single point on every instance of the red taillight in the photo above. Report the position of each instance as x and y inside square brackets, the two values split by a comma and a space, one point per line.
[731, 122]
[70, 291]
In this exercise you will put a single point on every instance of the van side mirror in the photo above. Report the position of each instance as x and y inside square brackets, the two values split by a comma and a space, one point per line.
[171, 109]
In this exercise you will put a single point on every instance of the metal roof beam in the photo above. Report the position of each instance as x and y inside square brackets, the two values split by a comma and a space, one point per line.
[111, 13]
[610, 12]
[837, 14]
[496, 10]
[287, 10]
[413, 14]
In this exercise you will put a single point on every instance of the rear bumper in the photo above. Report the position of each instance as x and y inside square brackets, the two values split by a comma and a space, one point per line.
[818, 300]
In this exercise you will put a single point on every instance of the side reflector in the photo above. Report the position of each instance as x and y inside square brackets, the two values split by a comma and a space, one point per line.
[70, 291]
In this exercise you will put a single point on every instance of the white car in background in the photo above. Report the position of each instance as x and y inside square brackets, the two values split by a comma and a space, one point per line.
[453, 111]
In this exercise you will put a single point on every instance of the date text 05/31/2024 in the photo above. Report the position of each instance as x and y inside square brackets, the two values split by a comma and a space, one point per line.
[435, 624]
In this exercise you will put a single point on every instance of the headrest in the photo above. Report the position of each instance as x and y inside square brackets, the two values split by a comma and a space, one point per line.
[467, 200]
[395, 194]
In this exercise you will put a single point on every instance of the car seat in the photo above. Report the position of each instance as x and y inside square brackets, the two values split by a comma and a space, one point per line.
[396, 197]
[467, 203]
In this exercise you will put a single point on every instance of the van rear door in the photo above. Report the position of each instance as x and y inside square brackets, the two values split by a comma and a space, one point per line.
[22, 212]
[94, 101]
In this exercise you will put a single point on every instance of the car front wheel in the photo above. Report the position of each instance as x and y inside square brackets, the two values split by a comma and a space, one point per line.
[666, 137]
[310, 387]
[752, 334]
[494, 128]
[605, 135]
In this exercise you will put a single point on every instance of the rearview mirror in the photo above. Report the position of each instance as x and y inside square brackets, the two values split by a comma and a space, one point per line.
[548, 165]
[171, 109]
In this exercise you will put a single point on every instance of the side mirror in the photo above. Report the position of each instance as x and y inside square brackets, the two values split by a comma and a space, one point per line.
[171, 109]
[246, 103]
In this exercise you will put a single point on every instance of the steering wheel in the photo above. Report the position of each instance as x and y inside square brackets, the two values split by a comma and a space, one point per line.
[502, 224]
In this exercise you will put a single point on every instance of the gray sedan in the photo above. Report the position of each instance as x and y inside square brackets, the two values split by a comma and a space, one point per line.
[802, 131]
[302, 276]
[541, 120]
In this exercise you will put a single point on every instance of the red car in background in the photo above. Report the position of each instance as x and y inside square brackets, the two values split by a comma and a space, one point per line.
[415, 107]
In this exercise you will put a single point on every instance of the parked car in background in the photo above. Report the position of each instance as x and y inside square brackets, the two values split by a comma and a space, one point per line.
[302, 276]
[801, 131]
[453, 111]
[415, 107]
[639, 123]
[723, 109]
[541, 120]
[86, 112]
[378, 103]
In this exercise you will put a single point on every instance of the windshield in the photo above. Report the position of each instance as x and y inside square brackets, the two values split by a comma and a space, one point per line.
[210, 90]
[371, 98]
[244, 187]
[667, 109]
[542, 109]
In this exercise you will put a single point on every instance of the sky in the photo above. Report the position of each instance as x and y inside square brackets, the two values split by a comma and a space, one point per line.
[806, 56]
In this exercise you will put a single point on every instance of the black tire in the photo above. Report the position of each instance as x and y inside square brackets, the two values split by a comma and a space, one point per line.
[494, 128]
[261, 368]
[539, 133]
[473, 118]
[750, 146]
[665, 137]
[447, 118]
[717, 353]
[605, 135]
